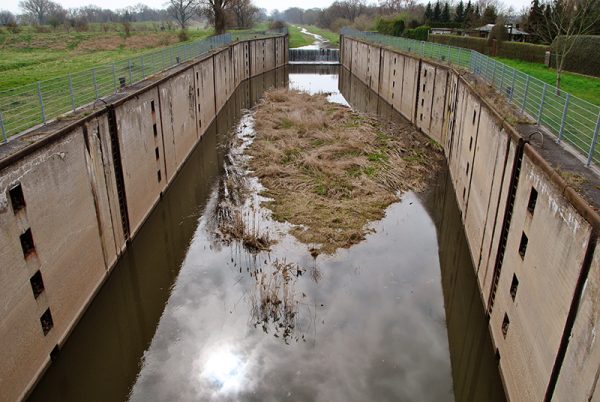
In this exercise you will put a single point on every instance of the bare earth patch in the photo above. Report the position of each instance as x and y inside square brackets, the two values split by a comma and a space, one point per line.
[329, 170]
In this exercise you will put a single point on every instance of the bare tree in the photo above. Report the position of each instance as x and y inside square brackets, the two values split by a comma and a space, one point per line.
[215, 10]
[38, 9]
[392, 6]
[7, 18]
[245, 12]
[567, 19]
[182, 11]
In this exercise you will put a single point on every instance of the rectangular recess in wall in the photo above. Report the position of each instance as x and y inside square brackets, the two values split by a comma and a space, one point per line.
[37, 284]
[27, 244]
[47, 321]
[523, 245]
[152, 106]
[514, 286]
[17, 199]
[532, 200]
[156, 153]
[155, 129]
[505, 324]
[159, 175]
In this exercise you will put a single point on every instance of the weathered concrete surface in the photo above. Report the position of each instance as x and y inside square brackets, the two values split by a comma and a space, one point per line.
[96, 155]
[532, 286]
[140, 135]
[178, 113]
[205, 94]
[580, 379]
[425, 99]
[74, 199]
[547, 275]
[68, 252]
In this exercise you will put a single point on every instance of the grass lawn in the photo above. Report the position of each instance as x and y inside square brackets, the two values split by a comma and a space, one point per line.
[29, 57]
[297, 38]
[332, 37]
[584, 87]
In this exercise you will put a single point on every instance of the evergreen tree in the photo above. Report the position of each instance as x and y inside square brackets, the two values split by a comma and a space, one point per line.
[446, 13]
[437, 12]
[468, 16]
[535, 18]
[489, 15]
[460, 11]
[428, 13]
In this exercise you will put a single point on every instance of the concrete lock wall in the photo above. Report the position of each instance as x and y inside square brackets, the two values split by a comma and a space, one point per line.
[532, 239]
[70, 202]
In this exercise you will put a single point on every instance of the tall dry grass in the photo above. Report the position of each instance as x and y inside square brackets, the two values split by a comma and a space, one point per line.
[330, 170]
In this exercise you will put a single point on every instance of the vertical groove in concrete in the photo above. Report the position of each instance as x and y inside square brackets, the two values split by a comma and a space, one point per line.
[564, 342]
[118, 166]
[512, 189]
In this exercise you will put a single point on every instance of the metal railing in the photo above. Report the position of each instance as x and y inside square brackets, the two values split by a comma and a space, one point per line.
[35, 104]
[569, 118]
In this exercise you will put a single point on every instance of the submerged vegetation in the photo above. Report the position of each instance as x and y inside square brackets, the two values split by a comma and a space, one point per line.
[329, 170]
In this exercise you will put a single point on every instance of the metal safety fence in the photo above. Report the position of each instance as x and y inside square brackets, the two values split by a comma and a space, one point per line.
[35, 104]
[569, 118]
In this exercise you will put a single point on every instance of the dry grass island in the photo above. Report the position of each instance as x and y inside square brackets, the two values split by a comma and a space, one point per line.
[329, 170]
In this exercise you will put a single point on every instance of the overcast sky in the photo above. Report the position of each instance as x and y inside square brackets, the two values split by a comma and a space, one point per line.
[13, 5]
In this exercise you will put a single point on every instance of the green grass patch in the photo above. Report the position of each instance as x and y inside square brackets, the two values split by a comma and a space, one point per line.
[332, 37]
[297, 38]
[584, 87]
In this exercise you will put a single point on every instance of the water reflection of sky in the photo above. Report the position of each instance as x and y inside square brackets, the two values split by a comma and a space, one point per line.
[369, 326]
[318, 83]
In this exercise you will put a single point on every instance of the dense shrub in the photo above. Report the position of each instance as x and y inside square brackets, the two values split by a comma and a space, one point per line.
[277, 25]
[522, 51]
[394, 27]
[509, 50]
[584, 57]
[183, 35]
[419, 33]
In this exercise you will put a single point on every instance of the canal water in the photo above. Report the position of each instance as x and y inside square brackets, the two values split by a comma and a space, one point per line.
[189, 315]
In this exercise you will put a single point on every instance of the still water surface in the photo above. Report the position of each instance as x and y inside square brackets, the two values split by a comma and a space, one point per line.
[186, 316]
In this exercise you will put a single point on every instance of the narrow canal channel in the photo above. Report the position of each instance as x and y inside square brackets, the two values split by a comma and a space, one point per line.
[186, 316]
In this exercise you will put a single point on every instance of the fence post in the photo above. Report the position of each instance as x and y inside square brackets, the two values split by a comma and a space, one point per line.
[114, 74]
[512, 85]
[3, 130]
[564, 117]
[590, 155]
[71, 92]
[525, 94]
[494, 73]
[95, 84]
[502, 76]
[42, 109]
[130, 73]
[539, 116]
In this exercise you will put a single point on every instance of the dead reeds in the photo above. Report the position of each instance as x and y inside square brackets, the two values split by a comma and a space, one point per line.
[329, 170]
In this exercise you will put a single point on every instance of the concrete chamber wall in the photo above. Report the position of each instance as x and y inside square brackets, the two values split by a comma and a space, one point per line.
[70, 202]
[532, 239]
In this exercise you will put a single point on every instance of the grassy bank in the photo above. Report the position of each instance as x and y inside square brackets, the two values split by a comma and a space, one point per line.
[584, 87]
[30, 56]
[332, 37]
[297, 38]
[330, 170]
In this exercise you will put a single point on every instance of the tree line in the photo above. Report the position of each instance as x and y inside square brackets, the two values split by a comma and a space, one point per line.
[220, 13]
